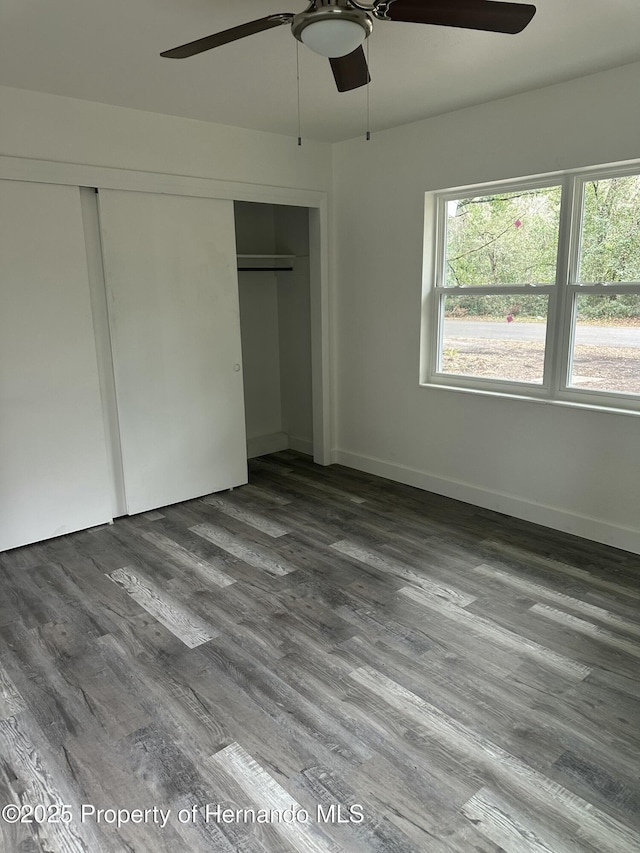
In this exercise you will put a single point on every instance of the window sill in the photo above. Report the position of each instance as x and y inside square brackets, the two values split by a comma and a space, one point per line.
[523, 398]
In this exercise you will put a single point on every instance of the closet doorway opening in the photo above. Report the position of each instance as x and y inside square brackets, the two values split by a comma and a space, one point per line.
[277, 319]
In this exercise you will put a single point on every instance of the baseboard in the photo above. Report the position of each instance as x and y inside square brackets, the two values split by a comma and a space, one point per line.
[593, 529]
[302, 445]
[263, 444]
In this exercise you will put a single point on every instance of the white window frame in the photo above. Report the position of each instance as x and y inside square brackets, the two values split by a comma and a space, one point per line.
[562, 294]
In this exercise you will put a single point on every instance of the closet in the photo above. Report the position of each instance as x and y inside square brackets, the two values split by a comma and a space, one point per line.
[133, 339]
[137, 403]
[275, 318]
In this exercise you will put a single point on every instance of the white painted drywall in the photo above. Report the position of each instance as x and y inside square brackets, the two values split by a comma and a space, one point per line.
[260, 353]
[294, 320]
[50, 127]
[255, 228]
[255, 233]
[572, 469]
[53, 465]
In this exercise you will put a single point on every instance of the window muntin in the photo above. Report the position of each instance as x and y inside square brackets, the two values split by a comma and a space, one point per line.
[588, 233]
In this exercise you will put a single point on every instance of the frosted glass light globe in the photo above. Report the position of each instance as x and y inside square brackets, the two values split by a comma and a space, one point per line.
[333, 38]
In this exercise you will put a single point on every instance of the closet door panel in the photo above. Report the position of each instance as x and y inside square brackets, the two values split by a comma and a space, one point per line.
[53, 471]
[170, 267]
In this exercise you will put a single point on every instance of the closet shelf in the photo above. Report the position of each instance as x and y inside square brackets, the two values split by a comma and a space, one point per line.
[265, 263]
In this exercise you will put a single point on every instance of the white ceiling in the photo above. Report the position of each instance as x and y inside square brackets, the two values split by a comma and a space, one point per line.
[108, 51]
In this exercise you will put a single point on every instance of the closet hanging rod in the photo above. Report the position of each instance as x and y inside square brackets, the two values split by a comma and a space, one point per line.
[279, 262]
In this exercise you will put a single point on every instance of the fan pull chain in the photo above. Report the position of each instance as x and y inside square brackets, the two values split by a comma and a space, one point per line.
[298, 79]
[368, 137]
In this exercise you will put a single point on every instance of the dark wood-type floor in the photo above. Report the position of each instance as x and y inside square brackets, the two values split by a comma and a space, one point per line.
[344, 663]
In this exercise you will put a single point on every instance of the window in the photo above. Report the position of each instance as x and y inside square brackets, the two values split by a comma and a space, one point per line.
[534, 289]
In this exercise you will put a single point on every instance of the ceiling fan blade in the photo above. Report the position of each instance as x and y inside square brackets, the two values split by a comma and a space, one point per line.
[469, 14]
[350, 71]
[217, 39]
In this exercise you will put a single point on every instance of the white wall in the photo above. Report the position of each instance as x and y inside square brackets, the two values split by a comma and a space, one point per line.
[260, 357]
[49, 127]
[294, 321]
[571, 469]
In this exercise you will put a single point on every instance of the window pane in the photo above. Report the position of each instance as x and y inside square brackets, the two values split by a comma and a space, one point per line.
[509, 238]
[606, 352]
[497, 337]
[610, 249]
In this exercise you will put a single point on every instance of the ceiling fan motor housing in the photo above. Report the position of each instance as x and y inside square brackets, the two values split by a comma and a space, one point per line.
[332, 28]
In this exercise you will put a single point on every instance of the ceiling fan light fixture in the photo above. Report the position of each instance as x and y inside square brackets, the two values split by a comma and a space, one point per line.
[333, 37]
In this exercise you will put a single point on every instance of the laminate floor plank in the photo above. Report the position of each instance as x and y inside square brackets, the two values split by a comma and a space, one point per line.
[538, 591]
[11, 702]
[113, 701]
[60, 588]
[38, 784]
[207, 835]
[262, 496]
[317, 787]
[420, 675]
[500, 714]
[497, 633]
[194, 560]
[202, 569]
[57, 703]
[314, 519]
[246, 516]
[242, 716]
[499, 822]
[266, 793]
[587, 648]
[185, 625]
[401, 570]
[589, 629]
[13, 836]
[316, 483]
[153, 516]
[438, 556]
[254, 555]
[308, 723]
[375, 629]
[22, 599]
[618, 588]
[596, 826]
[426, 814]
[600, 785]
[101, 768]
[441, 780]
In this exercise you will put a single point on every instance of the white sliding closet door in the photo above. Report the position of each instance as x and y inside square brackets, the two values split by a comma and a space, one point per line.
[170, 268]
[53, 469]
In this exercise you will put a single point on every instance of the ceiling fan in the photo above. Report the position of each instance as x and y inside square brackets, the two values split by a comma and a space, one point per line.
[338, 28]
